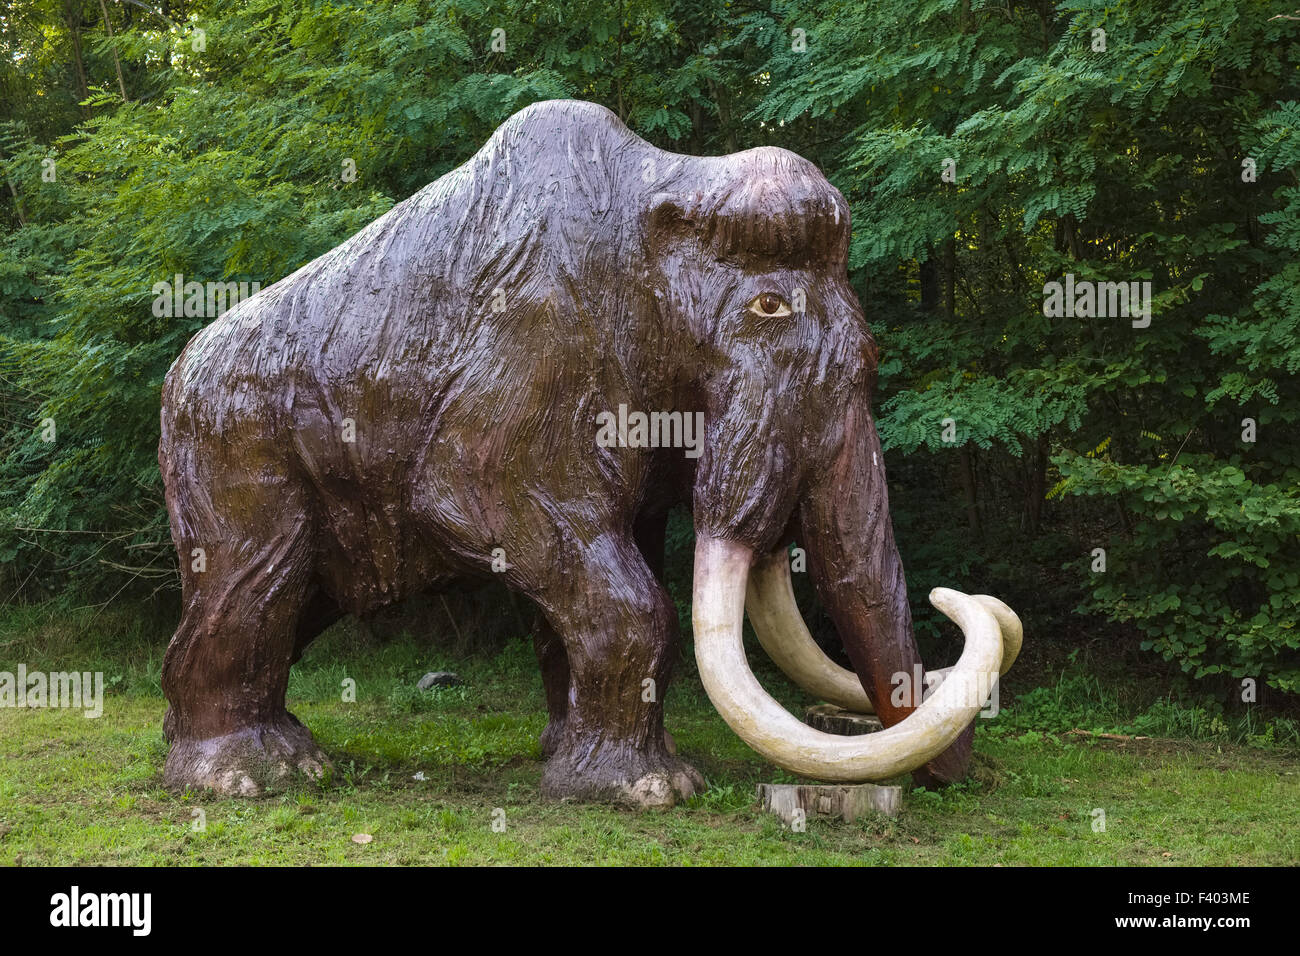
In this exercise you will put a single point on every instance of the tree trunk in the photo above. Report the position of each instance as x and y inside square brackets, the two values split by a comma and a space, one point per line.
[724, 117]
[949, 269]
[970, 491]
[72, 16]
[929, 276]
[18, 203]
[117, 64]
[1037, 489]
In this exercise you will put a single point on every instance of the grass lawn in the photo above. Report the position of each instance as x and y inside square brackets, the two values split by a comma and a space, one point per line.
[425, 774]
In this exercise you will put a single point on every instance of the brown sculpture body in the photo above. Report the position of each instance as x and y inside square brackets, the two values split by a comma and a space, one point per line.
[425, 397]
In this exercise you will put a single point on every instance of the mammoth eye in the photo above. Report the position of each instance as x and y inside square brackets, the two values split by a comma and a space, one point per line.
[769, 305]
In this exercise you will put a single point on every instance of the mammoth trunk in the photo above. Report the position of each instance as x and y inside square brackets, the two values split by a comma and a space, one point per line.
[844, 516]
[859, 577]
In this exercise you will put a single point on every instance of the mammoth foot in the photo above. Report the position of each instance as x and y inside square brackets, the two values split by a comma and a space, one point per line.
[607, 772]
[247, 762]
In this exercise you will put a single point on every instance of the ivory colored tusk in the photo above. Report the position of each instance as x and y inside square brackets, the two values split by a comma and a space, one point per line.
[780, 628]
[721, 575]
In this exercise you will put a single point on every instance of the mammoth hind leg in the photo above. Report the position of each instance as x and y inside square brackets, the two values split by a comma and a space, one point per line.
[227, 667]
[318, 613]
[555, 680]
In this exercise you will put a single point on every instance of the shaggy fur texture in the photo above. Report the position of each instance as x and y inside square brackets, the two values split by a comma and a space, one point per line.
[420, 404]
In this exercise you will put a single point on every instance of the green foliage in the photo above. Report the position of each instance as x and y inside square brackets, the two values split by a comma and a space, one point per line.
[1099, 698]
[1209, 570]
[1122, 164]
[224, 162]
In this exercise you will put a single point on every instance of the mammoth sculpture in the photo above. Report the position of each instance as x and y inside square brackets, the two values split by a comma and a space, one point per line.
[423, 400]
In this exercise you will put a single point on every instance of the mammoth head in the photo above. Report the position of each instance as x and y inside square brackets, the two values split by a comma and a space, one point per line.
[747, 258]
[748, 261]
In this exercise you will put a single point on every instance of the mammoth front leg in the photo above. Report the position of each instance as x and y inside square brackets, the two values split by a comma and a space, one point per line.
[649, 533]
[619, 631]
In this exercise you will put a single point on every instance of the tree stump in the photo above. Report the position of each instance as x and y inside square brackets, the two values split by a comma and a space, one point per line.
[796, 802]
[836, 720]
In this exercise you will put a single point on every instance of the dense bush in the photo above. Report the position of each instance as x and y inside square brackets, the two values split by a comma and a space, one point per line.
[1166, 151]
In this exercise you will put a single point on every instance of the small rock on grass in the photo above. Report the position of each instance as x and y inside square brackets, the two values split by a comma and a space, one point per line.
[439, 679]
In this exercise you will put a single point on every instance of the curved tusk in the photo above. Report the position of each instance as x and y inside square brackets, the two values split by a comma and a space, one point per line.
[721, 575]
[1013, 632]
[780, 628]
